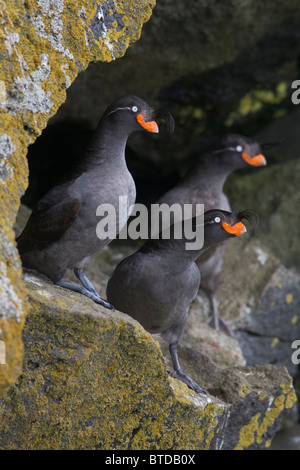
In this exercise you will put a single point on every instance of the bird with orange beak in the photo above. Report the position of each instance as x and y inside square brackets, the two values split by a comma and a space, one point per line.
[61, 231]
[157, 284]
[203, 184]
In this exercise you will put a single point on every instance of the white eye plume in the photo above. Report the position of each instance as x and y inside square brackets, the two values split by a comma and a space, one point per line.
[132, 108]
[217, 220]
[239, 148]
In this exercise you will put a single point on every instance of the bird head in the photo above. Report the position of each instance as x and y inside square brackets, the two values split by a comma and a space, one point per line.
[135, 114]
[240, 151]
[220, 225]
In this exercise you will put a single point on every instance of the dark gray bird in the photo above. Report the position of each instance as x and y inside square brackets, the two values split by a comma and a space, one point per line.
[157, 284]
[203, 184]
[61, 231]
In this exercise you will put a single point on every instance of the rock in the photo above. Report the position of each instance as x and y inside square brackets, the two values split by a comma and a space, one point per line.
[80, 386]
[95, 379]
[264, 312]
[220, 67]
[198, 41]
[44, 45]
[274, 194]
[223, 350]
[259, 299]
[267, 334]
[288, 439]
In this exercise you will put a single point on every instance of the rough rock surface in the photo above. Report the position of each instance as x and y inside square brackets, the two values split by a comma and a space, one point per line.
[44, 45]
[274, 193]
[94, 379]
[264, 310]
[80, 386]
[220, 66]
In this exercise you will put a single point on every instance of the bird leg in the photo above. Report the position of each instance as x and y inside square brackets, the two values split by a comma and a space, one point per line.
[86, 289]
[179, 374]
[89, 287]
[84, 280]
[215, 321]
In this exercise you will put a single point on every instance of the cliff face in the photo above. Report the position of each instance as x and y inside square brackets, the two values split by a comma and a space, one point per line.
[44, 45]
[75, 376]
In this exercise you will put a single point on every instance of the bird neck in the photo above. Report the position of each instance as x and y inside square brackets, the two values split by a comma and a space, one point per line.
[107, 145]
[172, 255]
[175, 251]
[210, 170]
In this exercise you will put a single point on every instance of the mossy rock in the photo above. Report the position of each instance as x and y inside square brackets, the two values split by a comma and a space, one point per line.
[43, 45]
[95, 379]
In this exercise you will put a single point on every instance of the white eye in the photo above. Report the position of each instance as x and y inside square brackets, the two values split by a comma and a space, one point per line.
[217, 219]
[134, 109]
[239, 148]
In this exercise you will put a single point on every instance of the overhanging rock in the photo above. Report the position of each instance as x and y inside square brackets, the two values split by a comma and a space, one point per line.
[44, 45]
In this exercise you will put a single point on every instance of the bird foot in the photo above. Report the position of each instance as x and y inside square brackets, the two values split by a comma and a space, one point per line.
[178, 374]
[84, 291]
[102, 302]
[220, 325]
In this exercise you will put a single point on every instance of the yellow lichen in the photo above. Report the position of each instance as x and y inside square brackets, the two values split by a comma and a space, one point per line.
[245, 390]
[43, 47]
[290, 394]
[258, 426]
[96, 379]
[262, 396]
[248, 433]
[255, 100]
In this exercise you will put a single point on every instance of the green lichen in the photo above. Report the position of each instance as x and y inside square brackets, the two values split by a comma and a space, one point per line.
[247, 433]
[95, 379]
[43, 47]
[256, 430]
[274, 342]
[245, 390]
[256, 99]
[100, 384]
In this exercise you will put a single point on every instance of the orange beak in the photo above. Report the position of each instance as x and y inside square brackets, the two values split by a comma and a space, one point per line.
[150, 126]
[258, 160]
[236, 229]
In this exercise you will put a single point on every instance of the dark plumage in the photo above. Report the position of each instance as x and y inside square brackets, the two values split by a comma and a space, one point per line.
[203, 184]
[157, 284]
[61, 232]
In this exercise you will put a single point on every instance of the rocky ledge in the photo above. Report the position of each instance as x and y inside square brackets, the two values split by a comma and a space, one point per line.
[95, 379]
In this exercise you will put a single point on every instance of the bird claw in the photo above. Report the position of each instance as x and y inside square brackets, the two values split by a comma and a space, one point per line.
[188, 381]
[103, 302]
[91, 294]
[221, 326]
[96, 298]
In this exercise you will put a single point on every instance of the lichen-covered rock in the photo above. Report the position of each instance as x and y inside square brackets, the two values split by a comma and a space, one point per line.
[95, 379]
[44, 44]
[219, 66]
[200, 40]
[263, 312]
